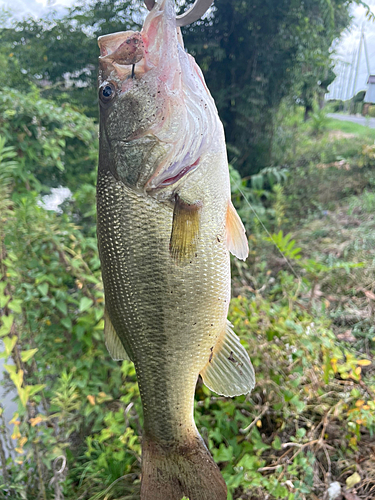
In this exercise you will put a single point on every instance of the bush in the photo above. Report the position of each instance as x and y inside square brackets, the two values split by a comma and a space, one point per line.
[56, 145]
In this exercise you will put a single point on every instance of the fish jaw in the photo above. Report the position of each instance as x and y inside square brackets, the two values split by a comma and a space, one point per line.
[173, 105]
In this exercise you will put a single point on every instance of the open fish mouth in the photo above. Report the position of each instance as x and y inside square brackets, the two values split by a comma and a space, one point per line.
[124, 48]
[119, 53]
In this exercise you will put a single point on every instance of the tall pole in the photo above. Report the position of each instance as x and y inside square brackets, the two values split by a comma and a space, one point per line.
[358, 61]
[366, 54]
[345, 74]
[336, 80]
[341, 79]
[347, 97]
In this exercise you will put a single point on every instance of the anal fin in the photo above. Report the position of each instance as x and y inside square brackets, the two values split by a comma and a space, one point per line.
[185, 230]
[229, 371]
[236, 235]
[112, 341]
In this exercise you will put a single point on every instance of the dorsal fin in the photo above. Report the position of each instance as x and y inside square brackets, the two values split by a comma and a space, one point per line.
[236, 234]
[229, 371]
[112, 341]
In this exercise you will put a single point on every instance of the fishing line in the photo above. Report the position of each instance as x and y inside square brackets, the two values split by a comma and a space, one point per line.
[269, 235]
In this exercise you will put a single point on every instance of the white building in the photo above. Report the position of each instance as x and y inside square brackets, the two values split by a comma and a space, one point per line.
[370, 92]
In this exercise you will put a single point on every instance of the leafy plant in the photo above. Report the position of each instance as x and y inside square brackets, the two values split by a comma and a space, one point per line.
[318, 120]
[285, 244]
[270, 175]
[367, 158]
[47, 138]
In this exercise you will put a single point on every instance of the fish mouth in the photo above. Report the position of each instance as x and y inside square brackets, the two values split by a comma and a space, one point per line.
[125, 47]
[119, 53]
[152, 48]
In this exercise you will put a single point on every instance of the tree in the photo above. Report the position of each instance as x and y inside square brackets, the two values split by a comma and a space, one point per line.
[253, 54]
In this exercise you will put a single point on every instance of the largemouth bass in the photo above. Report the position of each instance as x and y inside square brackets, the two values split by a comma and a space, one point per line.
[166, 226]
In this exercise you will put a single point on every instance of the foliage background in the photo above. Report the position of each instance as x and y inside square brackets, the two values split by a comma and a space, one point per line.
[303, 302]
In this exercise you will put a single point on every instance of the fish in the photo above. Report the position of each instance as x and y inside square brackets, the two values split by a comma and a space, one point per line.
[166, 227]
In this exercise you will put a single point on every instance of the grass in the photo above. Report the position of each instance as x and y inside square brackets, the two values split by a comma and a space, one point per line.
[310, 405]
[351, 128]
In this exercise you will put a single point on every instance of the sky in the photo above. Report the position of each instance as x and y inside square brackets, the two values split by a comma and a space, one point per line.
[22, 8]
[344, 50]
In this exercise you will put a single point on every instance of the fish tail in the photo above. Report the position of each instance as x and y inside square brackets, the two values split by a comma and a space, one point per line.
[183, 470]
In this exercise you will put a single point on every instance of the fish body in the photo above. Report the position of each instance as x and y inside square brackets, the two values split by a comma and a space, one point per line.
[165, 228]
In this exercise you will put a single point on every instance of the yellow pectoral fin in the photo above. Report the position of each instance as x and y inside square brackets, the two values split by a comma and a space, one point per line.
[112, 341]
[229, 371]
[185, 230]
[236, 234]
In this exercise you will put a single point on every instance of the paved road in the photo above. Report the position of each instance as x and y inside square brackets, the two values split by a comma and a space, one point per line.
[361, 120]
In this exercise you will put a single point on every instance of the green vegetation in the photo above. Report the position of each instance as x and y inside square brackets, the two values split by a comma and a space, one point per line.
[288, 43]
[351, 128]
[303, 306]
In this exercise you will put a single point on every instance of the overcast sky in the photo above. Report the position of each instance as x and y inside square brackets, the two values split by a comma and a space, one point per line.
[345, 49]
[22, 8]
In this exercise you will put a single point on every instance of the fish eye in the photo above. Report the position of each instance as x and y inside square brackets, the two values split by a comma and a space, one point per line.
[107, 92]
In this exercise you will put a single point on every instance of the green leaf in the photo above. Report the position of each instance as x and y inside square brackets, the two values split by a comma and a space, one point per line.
[62, 307]
[7, 325]
[4, 299]
[11, 369]
[23, 393]
[16, 376]
[15, 306]
[36, 388]
[301, 432]
[26, 355]
[276, 444]
[85, 304]
[9, 343]
[43, 289]
[224, 454]
[66, 323]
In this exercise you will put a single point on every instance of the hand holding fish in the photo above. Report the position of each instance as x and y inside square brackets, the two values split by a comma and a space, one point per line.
[166, 226]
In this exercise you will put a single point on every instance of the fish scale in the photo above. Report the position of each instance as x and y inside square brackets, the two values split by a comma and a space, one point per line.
[140, 278]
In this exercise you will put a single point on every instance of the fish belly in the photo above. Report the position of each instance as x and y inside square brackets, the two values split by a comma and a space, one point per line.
[168, 315]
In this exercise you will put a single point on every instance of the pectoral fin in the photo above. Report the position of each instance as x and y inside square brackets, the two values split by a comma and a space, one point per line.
[229, 371]
[185, 230]
[236, 234]
[112, 341]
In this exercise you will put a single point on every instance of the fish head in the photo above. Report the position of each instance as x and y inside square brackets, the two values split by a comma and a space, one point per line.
[157, 115]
